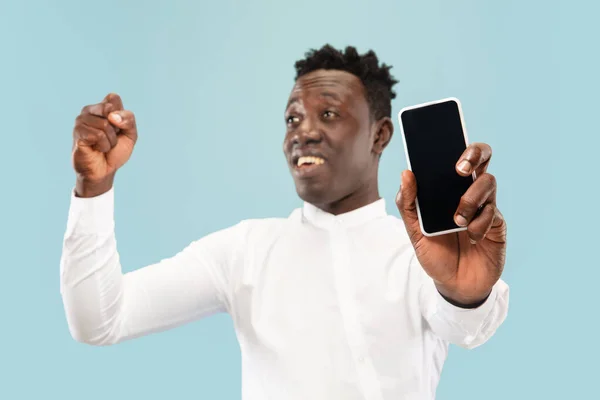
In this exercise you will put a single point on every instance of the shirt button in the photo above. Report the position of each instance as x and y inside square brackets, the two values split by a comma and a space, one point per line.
[361, 359]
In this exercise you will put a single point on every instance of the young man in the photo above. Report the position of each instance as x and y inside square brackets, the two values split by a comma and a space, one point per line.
[338, 301]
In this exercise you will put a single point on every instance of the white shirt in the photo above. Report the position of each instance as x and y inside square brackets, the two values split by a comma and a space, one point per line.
[325, 307]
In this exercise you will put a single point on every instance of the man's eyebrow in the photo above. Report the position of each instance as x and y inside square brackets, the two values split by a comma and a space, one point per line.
[291, 101]
[331, 95]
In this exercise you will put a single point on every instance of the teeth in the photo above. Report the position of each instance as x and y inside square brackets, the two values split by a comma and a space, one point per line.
[310, 160]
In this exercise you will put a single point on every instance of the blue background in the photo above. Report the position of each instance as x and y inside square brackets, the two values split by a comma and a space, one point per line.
[208, 82]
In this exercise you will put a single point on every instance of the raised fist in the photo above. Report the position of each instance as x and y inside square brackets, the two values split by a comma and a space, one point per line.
[103, 140]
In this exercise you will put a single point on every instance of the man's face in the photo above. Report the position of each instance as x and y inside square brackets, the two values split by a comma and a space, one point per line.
[329, 138]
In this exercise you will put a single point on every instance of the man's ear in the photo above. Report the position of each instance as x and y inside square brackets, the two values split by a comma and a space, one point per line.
[384, 129]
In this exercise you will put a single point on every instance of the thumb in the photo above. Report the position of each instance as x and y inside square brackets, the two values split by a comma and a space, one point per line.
[407, 205]
[124, 120]
[127, 136]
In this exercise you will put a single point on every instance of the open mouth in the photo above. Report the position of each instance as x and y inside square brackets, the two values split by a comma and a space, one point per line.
[308, 161]
[309, 166]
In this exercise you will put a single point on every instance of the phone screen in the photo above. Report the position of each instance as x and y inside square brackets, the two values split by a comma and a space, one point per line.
[434, 141]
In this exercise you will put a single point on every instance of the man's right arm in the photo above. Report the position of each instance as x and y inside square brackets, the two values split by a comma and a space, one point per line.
[104, 306]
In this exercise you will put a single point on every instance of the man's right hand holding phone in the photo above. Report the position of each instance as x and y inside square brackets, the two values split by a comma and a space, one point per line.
[464, 270]
[103, 140]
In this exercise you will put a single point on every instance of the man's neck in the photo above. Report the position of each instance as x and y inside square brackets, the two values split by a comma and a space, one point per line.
[358, 199]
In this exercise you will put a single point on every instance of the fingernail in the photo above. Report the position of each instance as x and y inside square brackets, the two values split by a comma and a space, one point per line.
[472, 241]
[460, 220]
[116, 117]
[464, 167]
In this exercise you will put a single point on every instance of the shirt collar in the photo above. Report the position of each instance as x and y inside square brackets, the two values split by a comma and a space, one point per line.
[323, 219]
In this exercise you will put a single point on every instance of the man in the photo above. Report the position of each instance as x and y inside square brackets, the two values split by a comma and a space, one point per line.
[338, 301]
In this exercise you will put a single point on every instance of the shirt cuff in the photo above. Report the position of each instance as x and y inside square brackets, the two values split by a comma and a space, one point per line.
[460, 314]
[91, 215]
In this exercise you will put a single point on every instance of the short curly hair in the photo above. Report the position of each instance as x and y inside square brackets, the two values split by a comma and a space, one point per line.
[376, 79]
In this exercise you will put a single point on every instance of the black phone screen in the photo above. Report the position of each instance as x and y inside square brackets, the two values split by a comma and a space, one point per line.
[435, 141]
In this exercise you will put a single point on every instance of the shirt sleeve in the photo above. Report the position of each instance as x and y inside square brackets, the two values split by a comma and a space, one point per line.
[467, 328]
[103, 306]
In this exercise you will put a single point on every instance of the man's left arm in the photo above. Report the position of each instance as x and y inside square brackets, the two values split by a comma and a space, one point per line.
[462, 296]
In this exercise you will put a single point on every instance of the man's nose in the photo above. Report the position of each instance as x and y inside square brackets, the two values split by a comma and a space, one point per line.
[307, 133]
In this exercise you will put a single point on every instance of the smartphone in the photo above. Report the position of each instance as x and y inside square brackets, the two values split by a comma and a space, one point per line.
[434, 138]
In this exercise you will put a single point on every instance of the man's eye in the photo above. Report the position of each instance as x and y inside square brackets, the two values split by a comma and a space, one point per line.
[329, 114]
[292, 120]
